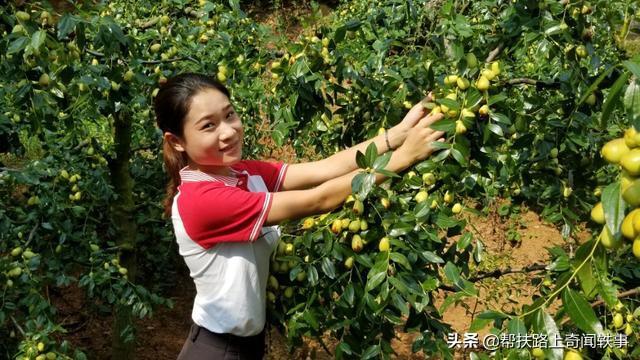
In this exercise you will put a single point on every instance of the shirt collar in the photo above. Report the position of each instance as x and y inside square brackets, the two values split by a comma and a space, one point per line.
[235, 179]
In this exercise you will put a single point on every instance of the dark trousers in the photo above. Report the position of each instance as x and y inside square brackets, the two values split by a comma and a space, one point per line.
[204, 344]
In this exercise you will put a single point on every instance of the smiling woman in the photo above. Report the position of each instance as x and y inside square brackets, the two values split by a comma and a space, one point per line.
[225, 210]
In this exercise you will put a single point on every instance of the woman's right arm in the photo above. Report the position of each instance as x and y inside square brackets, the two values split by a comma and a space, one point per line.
[329, 195]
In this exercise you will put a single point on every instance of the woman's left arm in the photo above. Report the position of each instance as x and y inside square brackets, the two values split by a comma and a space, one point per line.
[309, 174]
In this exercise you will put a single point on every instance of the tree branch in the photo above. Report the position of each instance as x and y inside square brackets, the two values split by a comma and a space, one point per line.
[494, 53]
[537, 83]
[149, 62]
[621, 295]
[17, 326]
[153, 62]
[496, 274]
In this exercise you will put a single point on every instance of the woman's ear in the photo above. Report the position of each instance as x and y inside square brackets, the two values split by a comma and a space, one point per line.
[174, 141]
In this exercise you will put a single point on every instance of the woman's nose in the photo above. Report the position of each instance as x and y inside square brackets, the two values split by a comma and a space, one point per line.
[226, 131]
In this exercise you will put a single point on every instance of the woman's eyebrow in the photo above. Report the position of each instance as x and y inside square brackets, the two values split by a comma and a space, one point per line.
[211, 115]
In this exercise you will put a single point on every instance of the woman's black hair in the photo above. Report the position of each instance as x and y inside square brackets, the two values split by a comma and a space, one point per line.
[171, 106]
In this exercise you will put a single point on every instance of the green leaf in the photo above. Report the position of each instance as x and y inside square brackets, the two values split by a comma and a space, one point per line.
[310, 318]
[400, 303]
[613, 206]
[496, 99]
[361, 160]
[371, 352]
[581, 312]
[453, 274]
[432, 258]
[441, 155]
[585, 275]
[607, 289]
[343, 349]
[478, 324]
[500, 118]
[349, 294]
[478, 251]
[451, 104]
[381, 162]
[633, 67]
[473, 97]
[437, 145]
[612, 98]
[17, 45]
[632, 101]
[38, 39]
[444, 125]
[400, 259]
[496, 129]
[66, 25]
[464, 241]
[371, 154]
[312, 275]
[544, 324]
[517, 326]
[328, 268]
[376, 279]
[457, 155]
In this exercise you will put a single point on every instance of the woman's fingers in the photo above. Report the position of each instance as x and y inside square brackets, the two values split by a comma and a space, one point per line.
[417, 112]
[430, 119]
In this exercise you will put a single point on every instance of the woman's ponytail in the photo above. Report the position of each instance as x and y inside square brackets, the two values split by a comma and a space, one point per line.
[174, 161]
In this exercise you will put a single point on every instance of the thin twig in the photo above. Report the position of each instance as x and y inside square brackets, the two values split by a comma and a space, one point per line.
[499, 273]
[494, 53]
[154, 62]
[324, 346]
[17, 325]
[517, 81]
[95, 53]
[82, 144]
[33, 231]
[496, 274]
[150, 62]
[149, 23]
[620, 296]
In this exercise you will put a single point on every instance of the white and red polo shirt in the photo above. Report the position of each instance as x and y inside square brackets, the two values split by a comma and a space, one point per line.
[218, 222]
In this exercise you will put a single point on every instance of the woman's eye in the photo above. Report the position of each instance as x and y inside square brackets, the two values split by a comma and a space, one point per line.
[231, 114]
[208, 126]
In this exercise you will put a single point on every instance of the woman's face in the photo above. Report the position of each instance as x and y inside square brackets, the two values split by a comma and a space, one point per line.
[212, 134]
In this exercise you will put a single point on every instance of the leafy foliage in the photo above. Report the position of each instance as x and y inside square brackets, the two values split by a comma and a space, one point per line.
[562, 88]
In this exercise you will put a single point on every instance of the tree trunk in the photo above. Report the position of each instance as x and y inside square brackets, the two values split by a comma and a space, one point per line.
[122, 212]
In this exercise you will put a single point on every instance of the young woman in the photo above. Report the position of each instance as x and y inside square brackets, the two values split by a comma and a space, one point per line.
[224, 209]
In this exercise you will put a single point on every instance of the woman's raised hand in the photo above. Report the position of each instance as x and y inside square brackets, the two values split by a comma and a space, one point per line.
[418, 144]
[399, 133]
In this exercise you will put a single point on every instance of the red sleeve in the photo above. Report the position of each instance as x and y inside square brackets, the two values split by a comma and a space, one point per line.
[213, 213]
[272, 173]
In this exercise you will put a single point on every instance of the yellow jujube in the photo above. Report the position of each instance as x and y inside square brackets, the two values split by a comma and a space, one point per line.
[630, 162]
[636, 248]
[625, 180]
[628, 225]
[597, 213]
[613, 151]
[608, 240]
[631, 138]
[631, 194]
